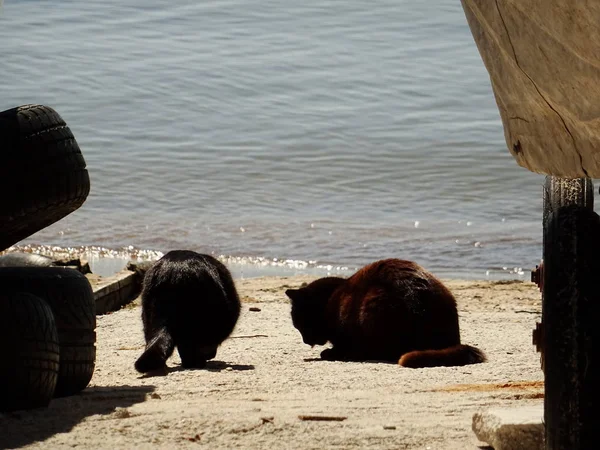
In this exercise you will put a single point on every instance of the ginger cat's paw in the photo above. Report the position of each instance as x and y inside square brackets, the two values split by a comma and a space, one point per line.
[328, 354]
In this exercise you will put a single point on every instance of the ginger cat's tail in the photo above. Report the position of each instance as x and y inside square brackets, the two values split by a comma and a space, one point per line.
[158, 350]
[458, 355]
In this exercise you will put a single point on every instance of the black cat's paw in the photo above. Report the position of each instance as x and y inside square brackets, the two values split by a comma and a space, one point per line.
[158, 372]
[193, 364]
[210, 354]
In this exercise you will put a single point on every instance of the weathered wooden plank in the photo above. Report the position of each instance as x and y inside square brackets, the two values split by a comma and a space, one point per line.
[113, 292]
[543, 58]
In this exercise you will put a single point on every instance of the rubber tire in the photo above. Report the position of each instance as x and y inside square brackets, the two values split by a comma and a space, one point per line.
[18, 259]
[571, 306]
[69, 295]
[42, 172]
[30, 352]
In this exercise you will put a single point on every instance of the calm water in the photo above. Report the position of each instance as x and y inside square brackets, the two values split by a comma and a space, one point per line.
[325, 133]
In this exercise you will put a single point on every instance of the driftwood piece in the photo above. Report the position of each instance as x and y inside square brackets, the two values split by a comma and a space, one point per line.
[249, 336]
[322, 418]
[543, 58]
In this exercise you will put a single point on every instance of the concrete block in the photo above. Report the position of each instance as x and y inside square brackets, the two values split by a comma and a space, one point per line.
[516, 428]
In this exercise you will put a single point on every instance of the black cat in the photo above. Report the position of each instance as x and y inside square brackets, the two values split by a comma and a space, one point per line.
[189, 301]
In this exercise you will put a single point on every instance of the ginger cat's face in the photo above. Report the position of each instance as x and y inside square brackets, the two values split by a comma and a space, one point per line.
[309, 306]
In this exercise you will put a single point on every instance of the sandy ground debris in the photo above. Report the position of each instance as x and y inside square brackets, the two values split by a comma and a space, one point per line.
[252, 396]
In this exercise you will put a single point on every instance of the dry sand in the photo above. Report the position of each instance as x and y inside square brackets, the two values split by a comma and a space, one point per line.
[264, 378]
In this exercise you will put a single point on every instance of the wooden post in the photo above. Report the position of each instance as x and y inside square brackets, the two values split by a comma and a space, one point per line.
[571, 315]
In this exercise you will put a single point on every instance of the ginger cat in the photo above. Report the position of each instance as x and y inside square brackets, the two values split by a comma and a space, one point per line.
[390, 310]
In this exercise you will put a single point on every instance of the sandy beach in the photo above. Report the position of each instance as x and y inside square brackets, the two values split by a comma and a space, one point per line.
[264, 381]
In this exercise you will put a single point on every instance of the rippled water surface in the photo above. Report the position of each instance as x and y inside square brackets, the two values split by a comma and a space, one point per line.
[328, 134]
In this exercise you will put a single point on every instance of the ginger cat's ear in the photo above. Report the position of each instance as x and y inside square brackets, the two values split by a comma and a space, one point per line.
[292, 294]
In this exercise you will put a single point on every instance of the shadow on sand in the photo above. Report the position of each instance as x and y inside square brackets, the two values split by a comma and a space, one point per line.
[218, 366]
[21, 428]
[211, 366]
[367, 361]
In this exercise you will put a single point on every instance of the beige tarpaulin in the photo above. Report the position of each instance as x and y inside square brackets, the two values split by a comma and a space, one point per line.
[543, 57]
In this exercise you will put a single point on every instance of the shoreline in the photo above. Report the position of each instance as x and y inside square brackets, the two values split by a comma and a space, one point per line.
[106, 262]
[264, 379]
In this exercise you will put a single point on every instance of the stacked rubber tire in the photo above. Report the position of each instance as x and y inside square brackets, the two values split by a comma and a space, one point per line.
[47, 314]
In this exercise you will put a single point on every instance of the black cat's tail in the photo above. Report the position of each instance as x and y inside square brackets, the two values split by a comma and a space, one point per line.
[158, 350]
[458, 355]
